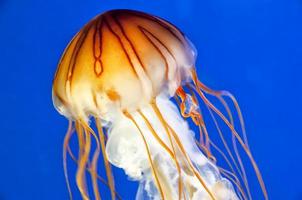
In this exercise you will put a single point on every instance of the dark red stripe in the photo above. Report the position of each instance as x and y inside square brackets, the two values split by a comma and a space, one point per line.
[122, 45]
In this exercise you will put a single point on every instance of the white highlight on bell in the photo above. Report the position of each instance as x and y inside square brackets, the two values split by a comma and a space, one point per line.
[126, 149]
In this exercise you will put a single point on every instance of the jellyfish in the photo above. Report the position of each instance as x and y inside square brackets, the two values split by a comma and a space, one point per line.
[128, 85]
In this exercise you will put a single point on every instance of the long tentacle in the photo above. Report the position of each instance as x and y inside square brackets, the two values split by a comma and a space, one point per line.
[182, 149]
[81, 149]
[241, 171]
[94, 162]
[237, 183]
[234, 179]
[159, 187]
[197, 118]
[73, 157]
[65, 145]
[225, 105]
[106, 162]
[211, 157]
[156, 136]
[80, 125]
[180, 189]
[219, 95]
[242, 143]
[81, 139]
[83, 159]
[237, 107]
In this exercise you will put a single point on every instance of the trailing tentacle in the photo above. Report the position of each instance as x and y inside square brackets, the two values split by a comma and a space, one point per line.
[106, 162]
[154, 172]
[65, 147]
[235, 133]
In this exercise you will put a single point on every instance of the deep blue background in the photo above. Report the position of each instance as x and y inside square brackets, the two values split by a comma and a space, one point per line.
[252, 48]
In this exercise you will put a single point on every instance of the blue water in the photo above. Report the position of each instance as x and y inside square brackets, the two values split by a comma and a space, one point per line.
[252, 48]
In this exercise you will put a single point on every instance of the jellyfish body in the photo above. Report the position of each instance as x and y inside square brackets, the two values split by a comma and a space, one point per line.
[122, 68]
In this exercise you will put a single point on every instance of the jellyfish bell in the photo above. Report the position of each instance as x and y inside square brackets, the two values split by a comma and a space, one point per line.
[121, 69]
[124, 57]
